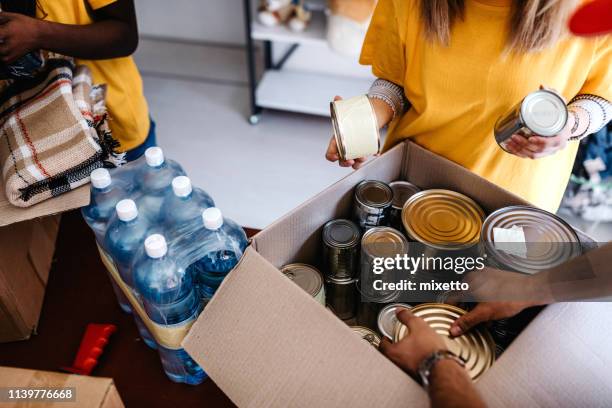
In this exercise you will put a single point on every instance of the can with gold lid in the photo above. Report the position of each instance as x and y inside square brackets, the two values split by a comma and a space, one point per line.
[308, 278]
[528, 239]
[372, 203]
[341, 249]
[476, 347]
[402, 191]
[368, 335]
[443, 219]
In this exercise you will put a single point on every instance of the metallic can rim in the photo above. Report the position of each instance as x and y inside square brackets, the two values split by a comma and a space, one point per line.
[337, 132]
[384, 314]
[368, 335]
[328, 239]
[317, 281]
[473, 214]
[383, 186]
[334, 281]
[476, 347]
[405, 185]
[552, 225]
[367, 236]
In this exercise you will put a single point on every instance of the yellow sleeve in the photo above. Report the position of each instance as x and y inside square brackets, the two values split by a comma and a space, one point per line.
[599, 80]
[383, 47]
[98, 4]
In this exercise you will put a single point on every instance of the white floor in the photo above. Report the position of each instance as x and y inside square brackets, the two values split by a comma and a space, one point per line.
[198, 96]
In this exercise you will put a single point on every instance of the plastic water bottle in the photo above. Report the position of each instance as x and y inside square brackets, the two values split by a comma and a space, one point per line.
[223, 242]
[169, 299]
[155, 179]
[183, 208]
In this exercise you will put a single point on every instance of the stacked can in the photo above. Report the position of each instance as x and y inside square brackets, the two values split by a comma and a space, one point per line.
[372, 204]
[402, 191]
[341, 263]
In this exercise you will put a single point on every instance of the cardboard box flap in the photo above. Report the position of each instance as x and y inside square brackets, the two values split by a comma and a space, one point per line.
[296, 236]
[564, 352]
[266, 343]
[10, 214]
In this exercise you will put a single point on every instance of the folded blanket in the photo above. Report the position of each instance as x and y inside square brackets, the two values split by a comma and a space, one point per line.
[53, 132]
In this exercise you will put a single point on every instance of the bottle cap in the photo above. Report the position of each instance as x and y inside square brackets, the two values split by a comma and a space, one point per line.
[155, 246]
[100, 178]
[181, 186]
[154, 156]
[126, 210]
[212, 217]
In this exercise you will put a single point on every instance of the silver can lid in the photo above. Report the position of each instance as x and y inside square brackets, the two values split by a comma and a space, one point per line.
[341, 233]
[549, 241]
[544, 112]
[387, 318]
[402, 191]
[305, 276]
[374, 193]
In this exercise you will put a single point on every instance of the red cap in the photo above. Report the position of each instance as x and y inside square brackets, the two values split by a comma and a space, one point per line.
[592, 18]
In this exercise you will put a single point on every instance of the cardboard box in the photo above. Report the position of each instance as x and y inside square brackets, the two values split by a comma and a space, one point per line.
[27, 242]
[89, 392]
[266, 343]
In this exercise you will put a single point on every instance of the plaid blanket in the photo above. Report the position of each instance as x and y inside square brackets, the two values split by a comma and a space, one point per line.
[53, 132]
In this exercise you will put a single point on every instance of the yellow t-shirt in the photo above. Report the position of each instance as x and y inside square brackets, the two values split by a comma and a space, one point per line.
[458, 92]
[127, 106]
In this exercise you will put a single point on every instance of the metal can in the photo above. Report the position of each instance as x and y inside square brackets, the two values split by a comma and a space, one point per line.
[548, 241]
[402, 191]
[476, 347]
[341, 249]
[387, 319]
[342, 297]
[355, 127]
[368, 335]
[308, 278]
[372, 203]
[368, 307]
[542, 113]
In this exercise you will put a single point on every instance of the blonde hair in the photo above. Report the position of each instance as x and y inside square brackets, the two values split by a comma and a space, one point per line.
[533, 26]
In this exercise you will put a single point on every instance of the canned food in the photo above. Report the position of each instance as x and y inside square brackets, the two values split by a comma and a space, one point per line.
[308, 278]
[342, 297]
[380, 242]
[542, 113]
[387, 319]
[402, 191]
[548, 241]
[368, 335]
[372, 203]
[476, 347]
[341, 249]
[443, 219]
[355, 127]
[368, 307]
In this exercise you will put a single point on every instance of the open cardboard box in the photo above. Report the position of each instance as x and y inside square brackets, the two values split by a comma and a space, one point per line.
[27, 244]
[266, 343]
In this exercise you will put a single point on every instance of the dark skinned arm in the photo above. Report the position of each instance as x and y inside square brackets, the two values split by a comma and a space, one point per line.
[113, 34]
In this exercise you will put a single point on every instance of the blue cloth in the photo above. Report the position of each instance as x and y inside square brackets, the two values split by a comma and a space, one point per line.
[150, 141]
[600, 145]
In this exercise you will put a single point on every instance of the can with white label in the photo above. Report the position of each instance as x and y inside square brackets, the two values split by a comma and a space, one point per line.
[541, 113]
[355, 127]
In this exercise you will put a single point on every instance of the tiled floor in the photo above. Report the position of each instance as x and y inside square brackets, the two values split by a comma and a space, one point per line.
[198, 96]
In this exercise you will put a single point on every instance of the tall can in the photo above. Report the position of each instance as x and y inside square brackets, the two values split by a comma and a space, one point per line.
[342, 297]
[355, 127]
[308, 278]
[341, 249]
[541, 113]
[369, 306]
[372, 203]
[402, 191]
[528, 239]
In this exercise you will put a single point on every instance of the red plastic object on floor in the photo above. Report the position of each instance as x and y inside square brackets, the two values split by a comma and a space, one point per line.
[93, 343]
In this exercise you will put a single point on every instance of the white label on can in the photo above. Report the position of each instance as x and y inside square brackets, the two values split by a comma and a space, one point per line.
[510, 240]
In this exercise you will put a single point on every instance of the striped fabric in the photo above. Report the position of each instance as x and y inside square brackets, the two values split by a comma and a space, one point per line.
[53, 133]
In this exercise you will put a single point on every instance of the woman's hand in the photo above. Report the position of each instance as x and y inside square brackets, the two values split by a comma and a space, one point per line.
[332, 152]
[19, 35]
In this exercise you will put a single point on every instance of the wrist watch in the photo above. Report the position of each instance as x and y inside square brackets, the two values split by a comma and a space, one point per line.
[427, 365]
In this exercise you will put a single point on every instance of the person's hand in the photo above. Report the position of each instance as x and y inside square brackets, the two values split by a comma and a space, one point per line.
[536, 147]
[19, 35]
[485, 312]
[419, 344]
[332, 152]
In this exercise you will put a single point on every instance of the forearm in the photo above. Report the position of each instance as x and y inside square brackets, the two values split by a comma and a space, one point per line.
[100, 40]
[387, 100]
[451, 387]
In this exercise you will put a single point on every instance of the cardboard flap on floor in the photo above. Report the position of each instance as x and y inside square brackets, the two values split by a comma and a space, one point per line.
[10, 214]
[266, 343]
